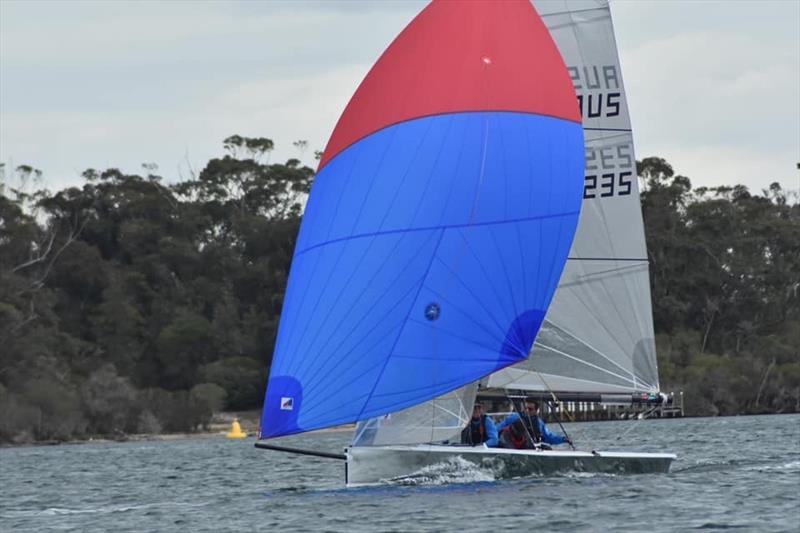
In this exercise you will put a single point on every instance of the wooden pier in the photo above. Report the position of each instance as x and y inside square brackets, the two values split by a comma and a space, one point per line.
[590, 411]
[586, 412]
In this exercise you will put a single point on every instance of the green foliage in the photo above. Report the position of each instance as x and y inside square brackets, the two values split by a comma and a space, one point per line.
[128, 305]
[725, 274]
[56, 406]
[206, 399]
[240, 377]
[18, 419]
[110, 402]
[182, 347]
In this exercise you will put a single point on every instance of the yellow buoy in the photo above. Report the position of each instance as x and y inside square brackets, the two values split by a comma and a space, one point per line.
[236, 431]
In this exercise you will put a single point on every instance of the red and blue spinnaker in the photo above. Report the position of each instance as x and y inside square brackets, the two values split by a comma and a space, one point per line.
[438, 224]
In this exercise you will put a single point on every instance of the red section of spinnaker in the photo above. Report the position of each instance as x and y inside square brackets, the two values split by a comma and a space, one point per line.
[456, 56]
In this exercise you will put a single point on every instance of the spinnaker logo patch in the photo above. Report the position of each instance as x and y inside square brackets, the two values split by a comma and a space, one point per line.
[287, 404]
[432, 311]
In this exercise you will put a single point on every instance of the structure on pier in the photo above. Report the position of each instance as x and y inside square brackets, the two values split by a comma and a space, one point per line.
[591, 408]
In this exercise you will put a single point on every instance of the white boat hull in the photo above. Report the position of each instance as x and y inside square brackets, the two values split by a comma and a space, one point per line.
[367, 465]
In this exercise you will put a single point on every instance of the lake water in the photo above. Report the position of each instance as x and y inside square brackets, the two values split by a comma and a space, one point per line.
[741, 472]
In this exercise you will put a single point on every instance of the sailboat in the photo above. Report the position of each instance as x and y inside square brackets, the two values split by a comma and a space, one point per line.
[441, 249]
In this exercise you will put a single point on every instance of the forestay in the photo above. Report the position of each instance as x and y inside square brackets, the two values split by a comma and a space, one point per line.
[598, 333]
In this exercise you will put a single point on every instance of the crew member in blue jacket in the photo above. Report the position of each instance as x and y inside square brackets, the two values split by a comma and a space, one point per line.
[525, 430]
[480, 430]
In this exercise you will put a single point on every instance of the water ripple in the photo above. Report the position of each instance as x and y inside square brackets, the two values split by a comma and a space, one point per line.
[724, 478]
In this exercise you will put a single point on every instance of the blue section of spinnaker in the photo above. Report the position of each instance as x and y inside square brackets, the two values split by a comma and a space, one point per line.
[428, 254]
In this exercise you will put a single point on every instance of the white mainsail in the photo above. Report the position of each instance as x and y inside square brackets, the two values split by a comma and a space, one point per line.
[598, 333]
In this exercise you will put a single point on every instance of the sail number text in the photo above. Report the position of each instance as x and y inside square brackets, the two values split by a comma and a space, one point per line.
[598, 88]
[609, 171]
[607, 184]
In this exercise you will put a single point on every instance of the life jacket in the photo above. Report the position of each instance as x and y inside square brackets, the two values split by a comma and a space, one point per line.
[523, 430]
[475, 432]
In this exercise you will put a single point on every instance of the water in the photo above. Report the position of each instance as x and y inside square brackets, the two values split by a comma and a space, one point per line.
[739, 472]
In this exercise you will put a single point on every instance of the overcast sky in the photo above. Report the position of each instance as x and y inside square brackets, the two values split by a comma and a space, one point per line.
[714, 87]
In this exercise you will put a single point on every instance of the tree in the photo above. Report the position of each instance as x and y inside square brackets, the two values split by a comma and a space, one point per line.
[132, 305]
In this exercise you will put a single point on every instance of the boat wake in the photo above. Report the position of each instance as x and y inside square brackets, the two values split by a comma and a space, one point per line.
[451, 470]
[586, 475]
[101, 510]
[710, 466]
[58, 511]
[791, 465]
[736, 464]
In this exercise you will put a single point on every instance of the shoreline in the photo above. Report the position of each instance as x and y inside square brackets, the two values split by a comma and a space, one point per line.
[219, 432]
[157, 437]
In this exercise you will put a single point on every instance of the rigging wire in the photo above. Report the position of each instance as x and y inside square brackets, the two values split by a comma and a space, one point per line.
[553, 406]
[556, 403]
[639, 418]
[514, 409]
[524, 427]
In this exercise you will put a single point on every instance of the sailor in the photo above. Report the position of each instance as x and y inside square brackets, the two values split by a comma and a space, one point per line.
[525, 430]
[480, 430]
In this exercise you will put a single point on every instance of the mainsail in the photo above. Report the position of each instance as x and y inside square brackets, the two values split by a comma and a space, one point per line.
[598, 333]
[439, 222]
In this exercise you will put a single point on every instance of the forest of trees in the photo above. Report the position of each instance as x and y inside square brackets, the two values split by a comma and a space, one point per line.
[725, 279]
[133, 305]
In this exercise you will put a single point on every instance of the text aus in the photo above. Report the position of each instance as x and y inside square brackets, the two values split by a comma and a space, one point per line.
[598, 89]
